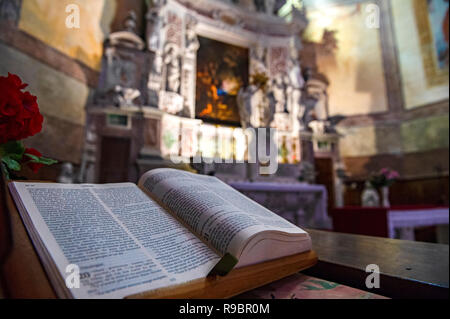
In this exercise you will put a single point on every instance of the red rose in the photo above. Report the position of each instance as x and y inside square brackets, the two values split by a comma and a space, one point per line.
[14, 130]
[19, 112]
[29, 104]
[35, 125]
[16, 81]
[11, 103]
[35, 167]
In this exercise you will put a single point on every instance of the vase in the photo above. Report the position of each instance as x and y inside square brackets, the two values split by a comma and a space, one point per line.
[385, 196]
[370, 197]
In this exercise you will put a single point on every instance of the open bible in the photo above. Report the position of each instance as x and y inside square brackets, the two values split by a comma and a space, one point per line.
[172, 229]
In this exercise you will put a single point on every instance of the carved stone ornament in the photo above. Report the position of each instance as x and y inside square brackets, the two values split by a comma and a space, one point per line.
[296, 84]
[155, 79]
[173, 67]
[319, 127]
[256, 16]
[125, 97]
[315, 102]
[282, 122]
[171, 102]
[279, 89]
[128, 37]
[258, 60]
[227, 18]
[191, 42]
[256, 107]
[155, 25]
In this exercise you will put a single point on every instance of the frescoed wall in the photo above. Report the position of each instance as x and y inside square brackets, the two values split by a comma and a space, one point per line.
[354, 67]
[46, 20]
[404, 126]
[421, 29]
[438, 29]
[61, 65]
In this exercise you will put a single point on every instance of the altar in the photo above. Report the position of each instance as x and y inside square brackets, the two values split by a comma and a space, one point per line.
[199, 89]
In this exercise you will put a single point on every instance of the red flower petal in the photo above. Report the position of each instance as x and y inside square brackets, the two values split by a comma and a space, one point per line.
[33, 151]
[16, 81]
[19, 111]
[35, 167]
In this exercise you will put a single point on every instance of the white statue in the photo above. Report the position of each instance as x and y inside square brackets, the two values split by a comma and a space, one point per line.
[173, 67]
[294, 90]
[318, 90]
[318, 127]
[315, 103]
[254, 107]
[155, 80]
[258, 60]
[124, 97]
[155, 25]
[192, 43]
[260, 116]
[130, 95]
[244, 101]
[279, 87]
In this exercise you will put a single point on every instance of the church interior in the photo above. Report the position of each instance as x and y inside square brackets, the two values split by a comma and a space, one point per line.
[333, 114]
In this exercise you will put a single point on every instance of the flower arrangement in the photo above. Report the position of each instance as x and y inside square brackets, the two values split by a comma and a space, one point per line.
[384, 178]
[19, 118]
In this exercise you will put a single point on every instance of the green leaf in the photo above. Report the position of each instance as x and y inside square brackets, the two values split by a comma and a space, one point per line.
[5, 170]
[33, 157]
[13, 150]
[46, 161]
[11, 163]
[41, 160]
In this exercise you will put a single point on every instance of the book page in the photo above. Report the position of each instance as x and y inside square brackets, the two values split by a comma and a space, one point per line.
[219, 214]
[122, 241]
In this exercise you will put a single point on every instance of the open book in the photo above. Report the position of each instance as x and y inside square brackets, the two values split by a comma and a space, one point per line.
[172, 228]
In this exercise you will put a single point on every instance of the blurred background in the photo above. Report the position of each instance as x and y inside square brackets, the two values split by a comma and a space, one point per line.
[356, 90]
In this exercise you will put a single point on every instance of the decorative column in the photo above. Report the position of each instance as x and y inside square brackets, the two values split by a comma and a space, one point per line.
[189, 67]
[155, 36]
[307, 146]
[170, 98]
